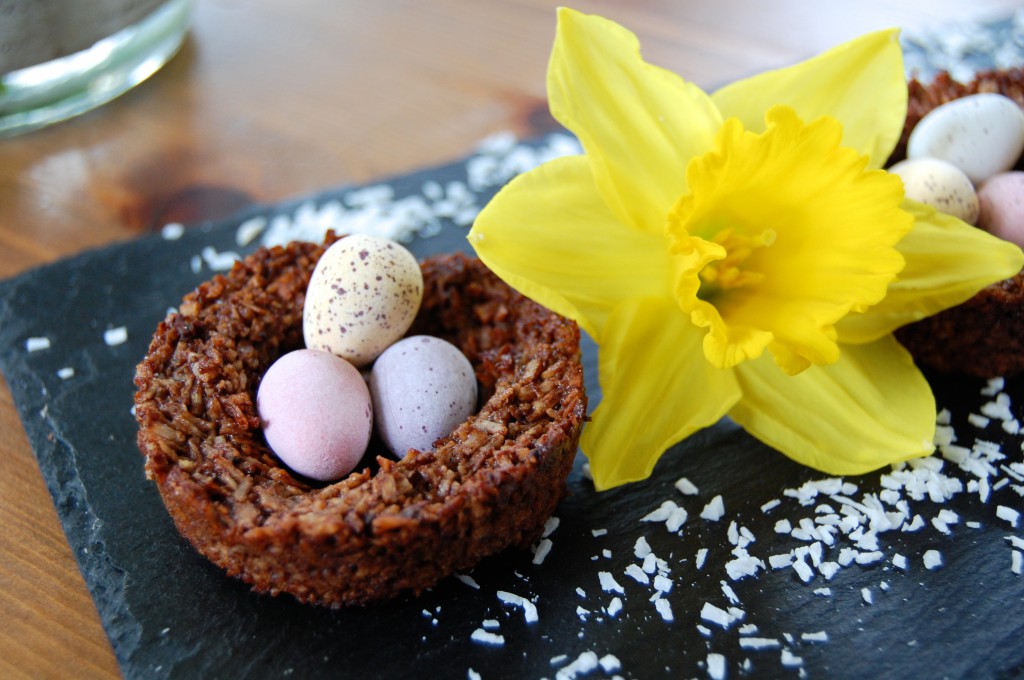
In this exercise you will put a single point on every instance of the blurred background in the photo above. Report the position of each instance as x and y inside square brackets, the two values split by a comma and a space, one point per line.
[268, 100]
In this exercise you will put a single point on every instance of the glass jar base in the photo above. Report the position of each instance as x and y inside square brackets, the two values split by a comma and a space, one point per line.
[40, 95]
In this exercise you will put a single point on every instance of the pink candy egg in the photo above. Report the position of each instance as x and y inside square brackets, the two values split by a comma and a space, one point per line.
[1001, 199]
[422, 388]
[316, 413]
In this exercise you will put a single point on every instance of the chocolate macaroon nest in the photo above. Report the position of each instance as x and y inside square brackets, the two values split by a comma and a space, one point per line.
[390, 527]
[984, 336]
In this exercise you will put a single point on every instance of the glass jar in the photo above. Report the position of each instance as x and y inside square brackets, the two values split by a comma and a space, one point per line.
[61, 58]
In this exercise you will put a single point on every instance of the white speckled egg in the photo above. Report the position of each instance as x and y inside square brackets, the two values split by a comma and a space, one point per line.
[422, 388]
[363, 295]
[939, 184]
[316, 413]
[982, 134]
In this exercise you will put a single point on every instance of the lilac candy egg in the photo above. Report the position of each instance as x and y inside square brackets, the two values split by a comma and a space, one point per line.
[422, 388]
[316, 413]
[1002, 206]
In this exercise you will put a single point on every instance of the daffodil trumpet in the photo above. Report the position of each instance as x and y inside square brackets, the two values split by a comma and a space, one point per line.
[741, 253]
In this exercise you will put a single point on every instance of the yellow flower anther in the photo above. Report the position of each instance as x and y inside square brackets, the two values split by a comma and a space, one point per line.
[729, 272]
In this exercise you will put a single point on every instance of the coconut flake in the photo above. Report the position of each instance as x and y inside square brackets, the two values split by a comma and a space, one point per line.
[37, 344]
[662, 513]
[583, 664]
[979, 421]
[115, 336]
[716, 615]
[716, 666]
[744, 565]
[219, 261]
[714, 510]
[676, 520]
[609, 584]
[172, 231]
[665, 609]
[915, 524]
[486, 638]
[541, 551]
[829, 569]
[759, 643]
[803, 570]
[249, 229]
[468, 580]
[790, 660]
[1008, 514]
[686, 487]
[869, 557]
[529, 609]
[637, 574]
[820, 636]
[609, 663]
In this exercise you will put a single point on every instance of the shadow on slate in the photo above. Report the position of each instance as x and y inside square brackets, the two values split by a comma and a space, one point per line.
[169, 613]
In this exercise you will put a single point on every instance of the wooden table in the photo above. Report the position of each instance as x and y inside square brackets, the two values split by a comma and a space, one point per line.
[268, 100]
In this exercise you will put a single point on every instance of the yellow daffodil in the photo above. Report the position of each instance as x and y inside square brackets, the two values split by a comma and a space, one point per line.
[739, 253]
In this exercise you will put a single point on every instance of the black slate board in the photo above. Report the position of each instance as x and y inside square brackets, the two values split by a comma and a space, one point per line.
[169, 613]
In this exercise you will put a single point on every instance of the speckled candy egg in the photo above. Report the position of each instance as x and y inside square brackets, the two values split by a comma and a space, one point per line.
[1002, 206]
[363, 295]
[422, 388]
[939, 184]
[982, 134]
[316, 413]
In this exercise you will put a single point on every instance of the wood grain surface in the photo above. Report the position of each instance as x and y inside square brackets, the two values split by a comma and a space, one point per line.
[268, 100]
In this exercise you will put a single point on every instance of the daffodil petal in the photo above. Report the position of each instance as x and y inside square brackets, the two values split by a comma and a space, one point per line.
[948, 261]
[871, 408]
[861, 83]
[548, 235]
[638, 123]
[657, 389]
